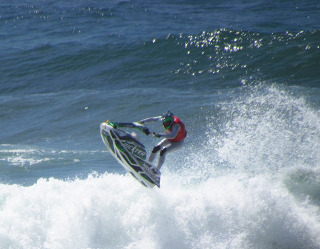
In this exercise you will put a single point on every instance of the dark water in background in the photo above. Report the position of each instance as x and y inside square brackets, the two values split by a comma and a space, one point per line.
[242, 75]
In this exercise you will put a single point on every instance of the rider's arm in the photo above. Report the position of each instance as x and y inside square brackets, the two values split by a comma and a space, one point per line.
[151, 120]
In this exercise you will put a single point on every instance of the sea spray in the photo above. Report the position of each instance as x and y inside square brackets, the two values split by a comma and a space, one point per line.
[268, 128]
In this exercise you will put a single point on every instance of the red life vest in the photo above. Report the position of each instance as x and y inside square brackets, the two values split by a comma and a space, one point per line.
[182, 132]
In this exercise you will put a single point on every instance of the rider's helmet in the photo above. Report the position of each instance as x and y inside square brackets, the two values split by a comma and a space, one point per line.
[167, 120]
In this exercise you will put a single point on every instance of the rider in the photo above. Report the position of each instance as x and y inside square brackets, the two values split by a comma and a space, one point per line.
[175, 133]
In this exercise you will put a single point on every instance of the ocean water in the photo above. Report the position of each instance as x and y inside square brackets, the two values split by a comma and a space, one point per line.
[243, 76]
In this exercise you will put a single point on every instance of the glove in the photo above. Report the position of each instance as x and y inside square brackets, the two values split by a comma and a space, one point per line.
[114, 124]
[146, 131]
[156, 135]
[141, 127]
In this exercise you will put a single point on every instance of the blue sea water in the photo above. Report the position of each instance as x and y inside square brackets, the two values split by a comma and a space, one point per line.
[243, 76]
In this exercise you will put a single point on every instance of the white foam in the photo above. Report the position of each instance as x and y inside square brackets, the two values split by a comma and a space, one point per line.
[113, 211]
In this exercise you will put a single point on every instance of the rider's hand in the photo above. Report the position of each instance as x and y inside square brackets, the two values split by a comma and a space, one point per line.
[156, 135]
[115, 125]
